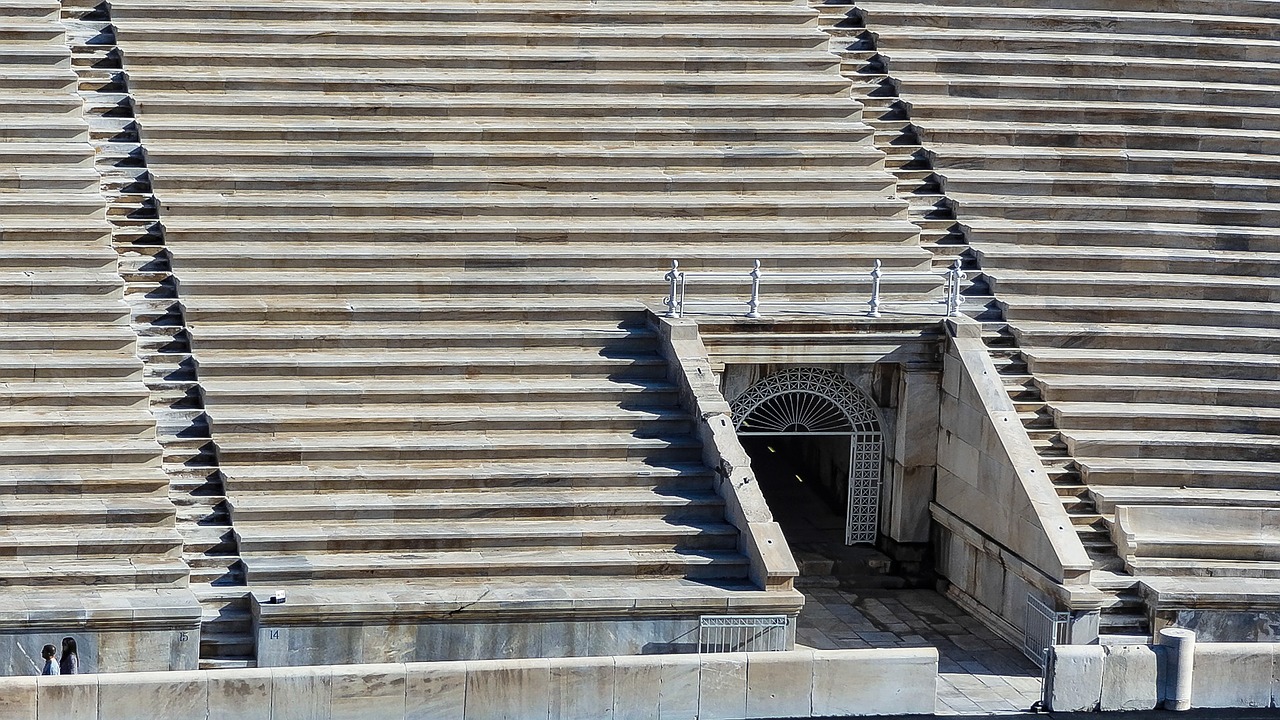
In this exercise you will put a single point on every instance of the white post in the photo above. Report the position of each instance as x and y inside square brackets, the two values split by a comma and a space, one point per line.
[954, 276]
[875, 290]
[672, 277]
[753, 305]
[1180, 652]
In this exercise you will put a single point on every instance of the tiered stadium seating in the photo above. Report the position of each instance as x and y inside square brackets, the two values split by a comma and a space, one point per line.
[413, 241]
[86, 527]
[1114, 168]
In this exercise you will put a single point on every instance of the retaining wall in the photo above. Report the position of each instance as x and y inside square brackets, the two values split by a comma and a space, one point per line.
[1085, 678]
[797, 683]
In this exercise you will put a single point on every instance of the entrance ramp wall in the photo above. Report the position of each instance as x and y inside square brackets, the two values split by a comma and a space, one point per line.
[1002, 533]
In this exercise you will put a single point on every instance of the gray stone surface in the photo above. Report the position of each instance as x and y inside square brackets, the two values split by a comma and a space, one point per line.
[1075, 678]
[1130, 676]
[1233, 675]
[435, 690]
[722, 686]
[978, 672]
[245, 694]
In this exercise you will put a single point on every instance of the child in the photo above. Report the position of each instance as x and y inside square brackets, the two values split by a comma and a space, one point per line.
[50, 662]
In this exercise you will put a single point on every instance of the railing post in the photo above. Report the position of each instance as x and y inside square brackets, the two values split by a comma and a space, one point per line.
[753, 305]
[953, 289]
[672, 277]
[875, 290]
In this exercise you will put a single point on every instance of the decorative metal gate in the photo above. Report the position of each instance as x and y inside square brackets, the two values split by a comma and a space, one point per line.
[814, 401]
[1044, 627]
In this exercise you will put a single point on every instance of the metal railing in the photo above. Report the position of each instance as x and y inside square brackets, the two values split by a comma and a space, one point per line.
[678, 281]
[742, 633]
[1043, 627]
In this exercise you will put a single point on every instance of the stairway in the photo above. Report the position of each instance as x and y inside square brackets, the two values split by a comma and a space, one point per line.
[1124, 615]
[88, 531]
[1115, 175]
[169, 372]
[414, 268]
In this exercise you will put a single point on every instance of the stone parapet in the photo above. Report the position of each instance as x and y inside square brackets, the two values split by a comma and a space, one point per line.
[799, 683]
[760, 539]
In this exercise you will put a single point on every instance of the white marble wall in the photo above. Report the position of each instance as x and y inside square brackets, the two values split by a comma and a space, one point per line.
[122, 650]
[1133, 677]
[800, 683]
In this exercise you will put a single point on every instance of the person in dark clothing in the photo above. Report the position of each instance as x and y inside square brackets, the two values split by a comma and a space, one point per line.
[70, 662]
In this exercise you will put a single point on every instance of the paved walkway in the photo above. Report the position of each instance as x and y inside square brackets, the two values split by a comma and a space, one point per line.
[979, 674]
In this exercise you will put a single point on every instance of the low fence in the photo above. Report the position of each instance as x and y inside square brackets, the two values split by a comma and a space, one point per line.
[1176, 674]
[794, 683]
[754, 286]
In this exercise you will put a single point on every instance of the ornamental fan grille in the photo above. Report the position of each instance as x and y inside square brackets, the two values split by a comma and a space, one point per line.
[800, 401]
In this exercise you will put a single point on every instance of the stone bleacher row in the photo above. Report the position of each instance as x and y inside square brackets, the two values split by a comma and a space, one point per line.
[1116, 173]
[413, 241]
[86, 525]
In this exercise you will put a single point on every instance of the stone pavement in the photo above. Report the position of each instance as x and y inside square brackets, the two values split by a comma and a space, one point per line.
[979, 673]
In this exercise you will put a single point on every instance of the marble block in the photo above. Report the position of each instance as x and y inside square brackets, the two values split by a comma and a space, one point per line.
[17, 698]
[722, 686]
[367, 691]
[301, 693]
[637, 687]
[582, 688]
[678, 691]
[508, 689]
[435, 691]
[244, 695]
[67, 697]
[779, 684]
[166, 695]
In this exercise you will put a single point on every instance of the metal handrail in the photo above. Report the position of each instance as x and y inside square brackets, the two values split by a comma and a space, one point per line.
[678, 281]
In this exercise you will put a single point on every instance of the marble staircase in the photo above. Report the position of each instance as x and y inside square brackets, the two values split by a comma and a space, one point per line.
[83, 497]
[413, 266]
[1113, 175]
[944, 236]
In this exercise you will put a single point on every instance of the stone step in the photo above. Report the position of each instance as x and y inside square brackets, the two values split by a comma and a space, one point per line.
[1183, 445]
[536, 417]
[335, 536]
[1080, 63]
[557, 447]
[91, 543]
[1142, 43]
[57, 452]
[1159, 236]
[1089, 259]
[497, 57]
[1129, 92]
[1019, 308]
[1224, 365]
[19, 366]
[545, 473]
[88, 513]
[147, 81]
[78, 422]
[139, 27]
[704, 252]
[1212, 391]
[515, 179]
[1161, 472]
[1166, 416]
[1126, 209]
[425, 363]
[639, 131]
[637, 561]
[18, 482]
[1118, 286]
[372, 393]
[71, 574]
[1135, 161]
[1109, 497]
[1137, 136]
[600, 503]
[555, 14]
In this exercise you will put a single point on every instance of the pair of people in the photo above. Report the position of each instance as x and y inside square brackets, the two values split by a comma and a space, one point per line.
[68, 665]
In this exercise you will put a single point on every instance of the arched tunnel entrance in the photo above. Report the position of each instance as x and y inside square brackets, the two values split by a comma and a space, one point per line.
[816, 448]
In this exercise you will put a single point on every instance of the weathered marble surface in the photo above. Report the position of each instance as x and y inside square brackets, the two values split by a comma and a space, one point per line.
[798, 683]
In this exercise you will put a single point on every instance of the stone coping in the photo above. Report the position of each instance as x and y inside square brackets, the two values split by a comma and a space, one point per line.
[798, 683]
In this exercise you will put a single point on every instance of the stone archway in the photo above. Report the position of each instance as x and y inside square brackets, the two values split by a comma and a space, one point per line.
[815, 403]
